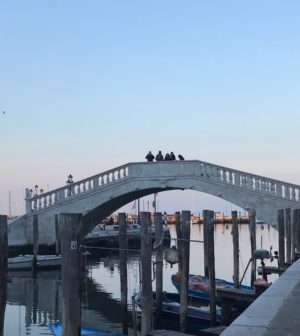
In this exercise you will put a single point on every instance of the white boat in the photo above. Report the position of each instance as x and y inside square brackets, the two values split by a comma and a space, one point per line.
[26, 262]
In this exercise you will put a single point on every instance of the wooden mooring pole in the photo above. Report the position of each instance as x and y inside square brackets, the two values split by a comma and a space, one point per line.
[179, 238]
[70, 273]
[236, 249]
[184, 275]
[205, 216]
[293, 236]
[146, 252]
[158, 267]
[280, 219]
[35, 243]
[211, 267]
[3, 270]
[288, 235]
[57, 238]
[297, 230]
[123, 268]
[252, 228]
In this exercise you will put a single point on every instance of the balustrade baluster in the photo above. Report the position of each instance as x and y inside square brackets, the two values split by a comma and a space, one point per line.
[237, 177]
[287, 192]
[95, 182]
[256, 183]
[219, 174]
[54, 198]
[230, 177]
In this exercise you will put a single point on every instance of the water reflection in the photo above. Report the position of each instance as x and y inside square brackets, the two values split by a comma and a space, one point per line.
[33, 303]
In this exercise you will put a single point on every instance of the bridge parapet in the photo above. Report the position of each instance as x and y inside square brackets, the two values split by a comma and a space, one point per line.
[208, 172]
[54, 197]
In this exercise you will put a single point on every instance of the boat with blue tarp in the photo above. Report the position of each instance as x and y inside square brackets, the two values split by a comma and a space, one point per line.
[56, 329]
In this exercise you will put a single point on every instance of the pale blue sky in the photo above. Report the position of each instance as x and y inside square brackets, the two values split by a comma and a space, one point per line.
[91, 85]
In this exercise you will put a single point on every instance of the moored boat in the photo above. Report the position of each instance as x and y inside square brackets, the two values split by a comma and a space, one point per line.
[198, 313]
[56, 329]
[199, 285]
[23, 262]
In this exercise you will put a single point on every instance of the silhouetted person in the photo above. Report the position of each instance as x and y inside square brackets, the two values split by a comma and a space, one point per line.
[149, 157]
[159, 156]
[172, 156]
[167, 157]
[180, 157]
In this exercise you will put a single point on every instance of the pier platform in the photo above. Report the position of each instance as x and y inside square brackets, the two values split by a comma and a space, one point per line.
[275, 312]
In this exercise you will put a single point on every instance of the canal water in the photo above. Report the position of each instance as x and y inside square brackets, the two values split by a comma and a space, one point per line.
[33, 303]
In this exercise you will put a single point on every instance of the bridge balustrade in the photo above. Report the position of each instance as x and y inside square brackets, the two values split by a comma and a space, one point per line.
[222, 175]
[51, 198]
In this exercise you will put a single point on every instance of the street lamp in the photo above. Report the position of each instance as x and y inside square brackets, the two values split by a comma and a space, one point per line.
[69, 182]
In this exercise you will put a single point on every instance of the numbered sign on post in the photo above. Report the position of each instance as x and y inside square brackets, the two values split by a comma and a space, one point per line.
[73, 245]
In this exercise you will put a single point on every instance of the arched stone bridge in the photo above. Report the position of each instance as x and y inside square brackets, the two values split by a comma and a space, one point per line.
[98, 196]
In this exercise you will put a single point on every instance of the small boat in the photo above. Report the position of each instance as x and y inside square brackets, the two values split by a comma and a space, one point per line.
[23, 262]
[199, 285]
[198, 313]
[56, 329]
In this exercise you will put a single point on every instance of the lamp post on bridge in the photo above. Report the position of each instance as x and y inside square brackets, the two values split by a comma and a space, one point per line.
[69, 183]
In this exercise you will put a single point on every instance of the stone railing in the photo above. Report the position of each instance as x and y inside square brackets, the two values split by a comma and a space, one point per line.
[219, 174]
[256, 183]
[71, 191]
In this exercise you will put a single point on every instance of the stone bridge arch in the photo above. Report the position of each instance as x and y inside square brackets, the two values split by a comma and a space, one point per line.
[98, 196]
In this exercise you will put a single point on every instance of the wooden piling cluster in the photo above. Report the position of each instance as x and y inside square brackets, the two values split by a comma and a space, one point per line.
[67, 226]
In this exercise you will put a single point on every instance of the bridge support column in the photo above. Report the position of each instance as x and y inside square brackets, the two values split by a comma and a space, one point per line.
[146, 253]
[252, 227]
[3, 270]
[70, 274]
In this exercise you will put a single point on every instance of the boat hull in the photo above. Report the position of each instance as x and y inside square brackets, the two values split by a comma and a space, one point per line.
[56, 329]
[25, 262]
[199, 286]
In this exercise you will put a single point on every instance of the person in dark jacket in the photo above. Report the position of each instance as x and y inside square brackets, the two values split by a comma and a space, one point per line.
[159, 156]
[149, 157]
[167, 157]
[180, 157]
[172, 156]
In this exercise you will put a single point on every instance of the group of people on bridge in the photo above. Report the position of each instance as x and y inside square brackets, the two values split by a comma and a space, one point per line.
[159, 157]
